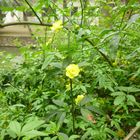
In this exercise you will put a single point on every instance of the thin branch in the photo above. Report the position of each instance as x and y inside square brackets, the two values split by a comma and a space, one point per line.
[82, 13]
[49, 24]
[129, 136]
[64, 7]
[54, 14]
[24, 17]
[24, 23]
[104, 56]
[69, 20]
[33, 11]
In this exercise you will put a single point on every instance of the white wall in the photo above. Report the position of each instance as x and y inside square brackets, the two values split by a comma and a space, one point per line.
[13, 17]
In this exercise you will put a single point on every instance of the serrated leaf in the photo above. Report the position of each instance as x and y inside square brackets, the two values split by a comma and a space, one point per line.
[58, 102]
[131, 98]
[83, 88]
[54, 138]
[129, 89]
[34, 133]
[96, 110]
[119, 100]
[47, 138]
[32, 125]
[56, 64]
[74, 137]
[11, 133]
[2, 134]
[119, 93]
[110, 132]
[61, 119]
[63, 136]
[86, 134]
[15, 127]
[85, 100]
[133, 19]
[47, 61]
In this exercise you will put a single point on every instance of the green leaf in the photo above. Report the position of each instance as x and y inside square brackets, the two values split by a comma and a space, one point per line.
[131, 98]
[110, 132]
[104, 32]
[61, 119]
[54, 138]
[51, 128]
[47, 138]
[34, 133]
[85, 100]
[74, 137]
[15, 127]
[119, 100]
[83, 88]
[85, 113]
[32, 125]
[119, 93]
[63, 136]
[95, 109]
[25, 138]
[86, 134]
[2, 134]
[18, 105]
[58, 102]
[11, 133]
[56, 64]
[129, 89]
[47, 61]
[133, 19]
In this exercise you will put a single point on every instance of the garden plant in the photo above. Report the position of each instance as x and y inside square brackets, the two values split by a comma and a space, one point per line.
[81, 79]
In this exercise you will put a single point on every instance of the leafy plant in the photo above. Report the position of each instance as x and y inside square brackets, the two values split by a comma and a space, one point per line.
[102, 101]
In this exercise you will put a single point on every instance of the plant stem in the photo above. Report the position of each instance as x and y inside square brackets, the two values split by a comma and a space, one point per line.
[82, 13]
[73, 108]
[24, 23]
[131, 133]
[33, 11]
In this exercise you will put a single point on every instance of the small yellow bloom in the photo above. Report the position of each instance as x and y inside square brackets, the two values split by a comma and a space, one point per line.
[79, 98]
[57, 26]
[72, 71]
[121, 133]
[114, 64]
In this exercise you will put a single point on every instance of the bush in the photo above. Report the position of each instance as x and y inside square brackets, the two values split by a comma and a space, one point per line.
[101, 102]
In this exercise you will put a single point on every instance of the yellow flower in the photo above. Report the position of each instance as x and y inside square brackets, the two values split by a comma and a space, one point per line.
[115, 63]
[57, 25]
[121, 133]
[72, 71]
[79, 98]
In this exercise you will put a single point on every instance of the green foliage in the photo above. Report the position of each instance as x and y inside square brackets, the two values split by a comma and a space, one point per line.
[27, 131]
[35, 93]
